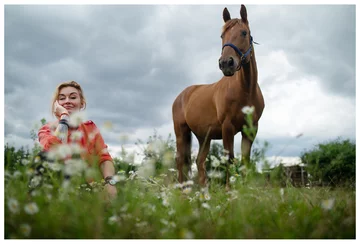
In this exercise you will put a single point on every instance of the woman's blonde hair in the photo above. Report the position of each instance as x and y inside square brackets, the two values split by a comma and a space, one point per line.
[66, 84]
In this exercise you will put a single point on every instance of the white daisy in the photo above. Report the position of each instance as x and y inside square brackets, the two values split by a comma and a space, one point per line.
[77, 118]
[113, 219]
[215, 174]
[187, 190]
[16, 174]
[76, 136]
[25, 161]
[328, 204]
[168, 158]
[248, 110]
[25, 229]
[215, 162]
[74, 166]
[31, 208]
[119, 178]
[13, 205]
[205, 205]
[165, 202]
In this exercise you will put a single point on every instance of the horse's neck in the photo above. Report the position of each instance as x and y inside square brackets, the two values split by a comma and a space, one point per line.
[248, 75]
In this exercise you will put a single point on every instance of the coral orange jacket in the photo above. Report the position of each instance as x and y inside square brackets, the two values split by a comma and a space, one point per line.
[91, 140]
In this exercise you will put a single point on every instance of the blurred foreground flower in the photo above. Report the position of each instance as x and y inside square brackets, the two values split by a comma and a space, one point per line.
[205, 205]
[25, 229]
[187, 190]
[188, 183]
[113, 219]
[214, 161]
[248, 110]
[119, 178]
[74, 166]
[77, 118]
[13, 205]
[328, 204]
[147, 169]
[31, 208]
[108, 125]
[25, 161]
[165, 202]
[35, 181]
[168, 158]
[16, 174]
[76, 136]
[215, 174]
[204, 195]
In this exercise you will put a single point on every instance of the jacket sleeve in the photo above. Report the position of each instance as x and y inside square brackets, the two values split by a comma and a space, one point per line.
[46, 138]
[100, 148]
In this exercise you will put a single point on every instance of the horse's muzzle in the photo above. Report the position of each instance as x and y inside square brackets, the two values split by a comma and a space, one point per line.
[228, 66]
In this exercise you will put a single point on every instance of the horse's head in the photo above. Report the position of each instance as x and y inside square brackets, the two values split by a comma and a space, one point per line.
[236, 42]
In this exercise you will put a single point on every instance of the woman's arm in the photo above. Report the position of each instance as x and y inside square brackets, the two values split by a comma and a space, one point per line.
[62, 129]
[108, 169]
[48, 138]
[105, 161]
[63, 115]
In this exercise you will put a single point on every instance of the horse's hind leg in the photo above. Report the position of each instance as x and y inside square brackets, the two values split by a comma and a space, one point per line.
[183, 150]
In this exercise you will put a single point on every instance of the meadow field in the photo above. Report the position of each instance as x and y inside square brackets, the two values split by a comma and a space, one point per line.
[156, 206]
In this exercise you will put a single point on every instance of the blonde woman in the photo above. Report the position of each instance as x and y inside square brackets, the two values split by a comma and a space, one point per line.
[69, 99]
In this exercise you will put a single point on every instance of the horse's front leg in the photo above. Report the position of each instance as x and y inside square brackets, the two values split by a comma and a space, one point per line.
[228, 133]
[246, 144]
[204, 147]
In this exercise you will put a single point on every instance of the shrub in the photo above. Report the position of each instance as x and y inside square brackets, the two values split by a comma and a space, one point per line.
[332, 162]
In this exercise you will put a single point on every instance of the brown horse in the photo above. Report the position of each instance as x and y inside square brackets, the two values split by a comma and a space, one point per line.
[214, 111]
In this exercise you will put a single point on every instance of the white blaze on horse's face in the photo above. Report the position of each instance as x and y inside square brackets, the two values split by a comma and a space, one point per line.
[235, 43]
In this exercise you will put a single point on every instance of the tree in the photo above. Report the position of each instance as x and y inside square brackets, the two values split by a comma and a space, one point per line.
[332, 162]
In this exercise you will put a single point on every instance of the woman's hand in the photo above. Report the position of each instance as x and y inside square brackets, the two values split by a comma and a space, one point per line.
[58, 109]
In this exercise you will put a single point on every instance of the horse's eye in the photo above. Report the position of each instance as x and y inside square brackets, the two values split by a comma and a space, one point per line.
[244, 33]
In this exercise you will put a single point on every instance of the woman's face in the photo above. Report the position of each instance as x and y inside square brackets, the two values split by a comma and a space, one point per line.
[69, 98]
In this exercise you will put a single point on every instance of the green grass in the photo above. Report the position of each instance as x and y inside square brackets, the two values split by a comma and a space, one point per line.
[148, 209]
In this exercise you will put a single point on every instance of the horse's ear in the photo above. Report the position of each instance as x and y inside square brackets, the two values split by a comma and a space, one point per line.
[243, 14]
[226, 15]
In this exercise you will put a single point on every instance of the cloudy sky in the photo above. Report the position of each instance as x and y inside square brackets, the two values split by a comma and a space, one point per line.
[133, 60]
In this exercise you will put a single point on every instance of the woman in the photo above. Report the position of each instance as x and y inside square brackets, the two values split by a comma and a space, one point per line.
[68, 100]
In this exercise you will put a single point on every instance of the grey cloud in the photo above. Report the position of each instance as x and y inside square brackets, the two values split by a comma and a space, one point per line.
[318, 39]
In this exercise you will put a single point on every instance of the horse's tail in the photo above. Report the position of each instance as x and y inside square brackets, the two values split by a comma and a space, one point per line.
[188, 140]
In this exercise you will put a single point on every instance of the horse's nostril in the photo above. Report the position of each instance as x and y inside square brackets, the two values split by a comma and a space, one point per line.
[221, 64]
[231, 62]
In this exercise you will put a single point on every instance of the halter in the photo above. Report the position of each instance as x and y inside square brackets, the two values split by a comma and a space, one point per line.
[237, 50]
